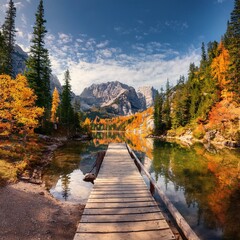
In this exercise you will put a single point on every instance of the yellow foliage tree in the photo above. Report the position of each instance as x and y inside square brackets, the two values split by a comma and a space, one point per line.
[55, 105]
[18, 112]
[87, 121]
[219, 68]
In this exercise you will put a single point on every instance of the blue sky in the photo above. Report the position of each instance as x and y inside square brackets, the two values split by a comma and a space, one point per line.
[137, 42]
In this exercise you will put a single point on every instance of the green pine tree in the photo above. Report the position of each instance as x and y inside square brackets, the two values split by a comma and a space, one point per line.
[3, 54]
[167, 108]
[9, 34]
[208, 92]
[38, 69]
[66, 110]
[180, 104]
[158, 117]
[232, 41]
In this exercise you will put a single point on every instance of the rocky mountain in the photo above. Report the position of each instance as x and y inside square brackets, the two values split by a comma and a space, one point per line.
[19, 65]
[106, 99]
[146, 94]
[115, 98]
[19, 60]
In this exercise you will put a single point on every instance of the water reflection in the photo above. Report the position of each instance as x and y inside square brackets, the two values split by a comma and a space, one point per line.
[203, 183]
[64, 177]
[71, 188]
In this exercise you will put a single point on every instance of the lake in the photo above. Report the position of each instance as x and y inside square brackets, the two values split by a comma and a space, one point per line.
[201, 181]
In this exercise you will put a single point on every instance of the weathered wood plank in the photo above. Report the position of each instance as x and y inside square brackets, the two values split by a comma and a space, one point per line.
[117, 178]
[118, 187]
[119, 195]
[120, 205]
[122, 226]
[122, 217]
[122, 182]
[165, 234]
[116, 190]
[120, 200]
[116, 211]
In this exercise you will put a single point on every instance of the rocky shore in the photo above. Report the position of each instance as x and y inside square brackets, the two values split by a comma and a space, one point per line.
[210, 138]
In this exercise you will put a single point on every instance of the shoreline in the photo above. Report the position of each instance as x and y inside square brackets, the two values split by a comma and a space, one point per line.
[30, 212]
[190, 140]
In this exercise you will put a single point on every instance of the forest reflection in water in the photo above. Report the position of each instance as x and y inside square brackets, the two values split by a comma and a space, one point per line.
[64, 177]
[203, 183]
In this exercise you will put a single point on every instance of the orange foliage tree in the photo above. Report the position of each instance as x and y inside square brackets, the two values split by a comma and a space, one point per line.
[219, 68]
[225, 116]
[55, 105]
[18, 113]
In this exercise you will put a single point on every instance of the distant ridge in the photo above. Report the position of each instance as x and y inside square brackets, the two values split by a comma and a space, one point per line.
[116, 98]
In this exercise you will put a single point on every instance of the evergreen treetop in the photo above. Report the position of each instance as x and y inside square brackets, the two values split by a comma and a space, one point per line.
[38, 70]
[9, 34]
[66, 109]
[232, 41]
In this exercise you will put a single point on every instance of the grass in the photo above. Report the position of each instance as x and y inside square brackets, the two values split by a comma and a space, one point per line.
[16, 157]
[8, 172]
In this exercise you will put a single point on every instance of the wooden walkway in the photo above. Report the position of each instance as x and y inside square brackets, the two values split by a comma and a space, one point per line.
[120, 206]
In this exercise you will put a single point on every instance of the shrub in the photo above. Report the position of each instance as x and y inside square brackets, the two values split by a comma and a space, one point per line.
[199, 132]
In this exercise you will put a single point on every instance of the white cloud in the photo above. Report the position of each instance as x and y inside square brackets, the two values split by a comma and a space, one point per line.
[49, 39]
[24, 20]
[90, 61]
[64, 38]
[20, 33]
[19, 5]
[102, 44]
[136, 71]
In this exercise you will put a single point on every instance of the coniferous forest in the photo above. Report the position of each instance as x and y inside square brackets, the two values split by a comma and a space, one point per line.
[207, 102]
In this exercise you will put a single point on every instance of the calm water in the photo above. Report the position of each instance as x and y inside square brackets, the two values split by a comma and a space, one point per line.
[203, 183]
[64, 177]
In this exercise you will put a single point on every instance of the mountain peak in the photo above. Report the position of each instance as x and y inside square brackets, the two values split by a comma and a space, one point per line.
[115, 98]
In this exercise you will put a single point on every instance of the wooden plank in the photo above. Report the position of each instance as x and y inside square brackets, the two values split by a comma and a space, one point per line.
[165, 234]
[114, 176]
[122, 217]
[119, 185]
[116, 188]
[120, 200]
[123, 181]
[117, 178]
[122, 226]
[120, 205]
[121, 191]
[110, 173]
[117, 195]
[116, 211]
